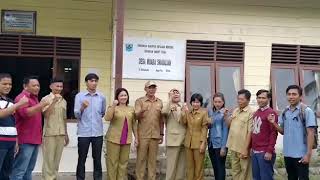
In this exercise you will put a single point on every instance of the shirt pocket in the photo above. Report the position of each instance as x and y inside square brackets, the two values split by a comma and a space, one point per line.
[244, 122]
[297, 123]
[174, 131]
[158, 106]
[98, 105]
[130, 115]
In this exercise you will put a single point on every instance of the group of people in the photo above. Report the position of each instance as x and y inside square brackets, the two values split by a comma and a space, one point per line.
[21, 129]
[248, 135]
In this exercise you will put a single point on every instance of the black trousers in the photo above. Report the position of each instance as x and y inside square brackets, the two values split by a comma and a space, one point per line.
[218, 163]
[295, 169]
[83, 148]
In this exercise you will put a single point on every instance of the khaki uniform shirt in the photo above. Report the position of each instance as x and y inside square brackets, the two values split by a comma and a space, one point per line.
[240, 129]
[149, 124]
[197, 128]
[117, 116]
[175, 131]
[54, 124]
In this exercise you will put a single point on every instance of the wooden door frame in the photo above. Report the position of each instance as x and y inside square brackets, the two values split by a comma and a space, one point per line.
[187, 73]
[295, 69]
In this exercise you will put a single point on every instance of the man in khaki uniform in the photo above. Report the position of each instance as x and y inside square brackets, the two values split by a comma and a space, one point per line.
[55, 135]
[175, 133]
[150, 131]
[241, 123]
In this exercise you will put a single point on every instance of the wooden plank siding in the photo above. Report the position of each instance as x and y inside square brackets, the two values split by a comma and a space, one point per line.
[89, 20]
[257, 25]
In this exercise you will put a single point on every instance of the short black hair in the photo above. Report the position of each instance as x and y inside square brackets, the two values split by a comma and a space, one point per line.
[246, 93]
[198, 97]
[27, 79]
[55, 80]
[91, 76]
[118, 91]
[5, 75]
[294, 87]
[263, 91]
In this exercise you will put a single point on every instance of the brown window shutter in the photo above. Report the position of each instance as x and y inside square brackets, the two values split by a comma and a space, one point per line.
[310, 55]
[40, 46]
[68, 46]
[37, 45]
[200, 50]
[284, 53]
[295, 54]
[215, 51]
[9, 44]
[230, 51]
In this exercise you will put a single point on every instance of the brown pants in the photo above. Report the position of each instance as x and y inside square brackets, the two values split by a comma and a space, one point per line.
[241, 168]
[52, 148]
[195, 164]
[176, 159]
[147, 153]
[117, 158]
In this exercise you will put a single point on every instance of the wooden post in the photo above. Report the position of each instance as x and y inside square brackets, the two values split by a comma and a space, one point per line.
[119, 43]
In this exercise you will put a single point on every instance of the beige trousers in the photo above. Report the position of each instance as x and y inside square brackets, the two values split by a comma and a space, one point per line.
[52, 148]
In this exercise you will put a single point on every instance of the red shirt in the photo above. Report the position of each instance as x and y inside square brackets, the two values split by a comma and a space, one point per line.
[264, 135]
[29, 128]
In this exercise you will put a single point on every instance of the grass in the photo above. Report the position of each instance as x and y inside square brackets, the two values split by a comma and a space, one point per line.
[279, 164]
[284, 177]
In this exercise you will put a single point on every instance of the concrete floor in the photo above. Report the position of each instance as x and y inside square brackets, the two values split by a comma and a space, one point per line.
[65, 177]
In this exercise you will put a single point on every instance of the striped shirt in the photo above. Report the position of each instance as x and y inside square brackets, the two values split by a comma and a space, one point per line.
[8, 131]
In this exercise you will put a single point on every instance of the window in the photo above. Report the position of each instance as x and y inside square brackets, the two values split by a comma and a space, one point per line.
[68, 70]
[55, 56]
[296, 64]
[212, 67]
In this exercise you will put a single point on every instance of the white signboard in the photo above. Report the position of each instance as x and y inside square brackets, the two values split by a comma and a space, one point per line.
[153, 59]
[18, 22]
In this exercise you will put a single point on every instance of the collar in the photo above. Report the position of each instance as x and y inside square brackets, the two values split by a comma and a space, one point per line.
[94, 94]
[3, 98]
[298, 107]
[28, 94]
[179, 104]
[51, 94]
[194, 112]
[6, 98]
[264, 108]
[216, 111]
[145, 98]
[245, 109]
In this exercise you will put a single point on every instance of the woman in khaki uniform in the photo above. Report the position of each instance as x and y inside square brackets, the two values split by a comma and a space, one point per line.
[196, 137]
[119, 135]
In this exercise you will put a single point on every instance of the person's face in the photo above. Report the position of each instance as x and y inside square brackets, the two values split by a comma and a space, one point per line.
[33, 86]
[56, 87]
[196, 104]
[176, 97]
[92, 84]
[218, 102]
[151, 90]
[293, 96]
[242, 101]
[123, 97]
[262, 99]
[5, 86]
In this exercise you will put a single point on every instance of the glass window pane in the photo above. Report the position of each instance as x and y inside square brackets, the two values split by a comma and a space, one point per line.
[311, 88]
[200, 82]
[229, 84]
[68, 70]
[283, 78]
